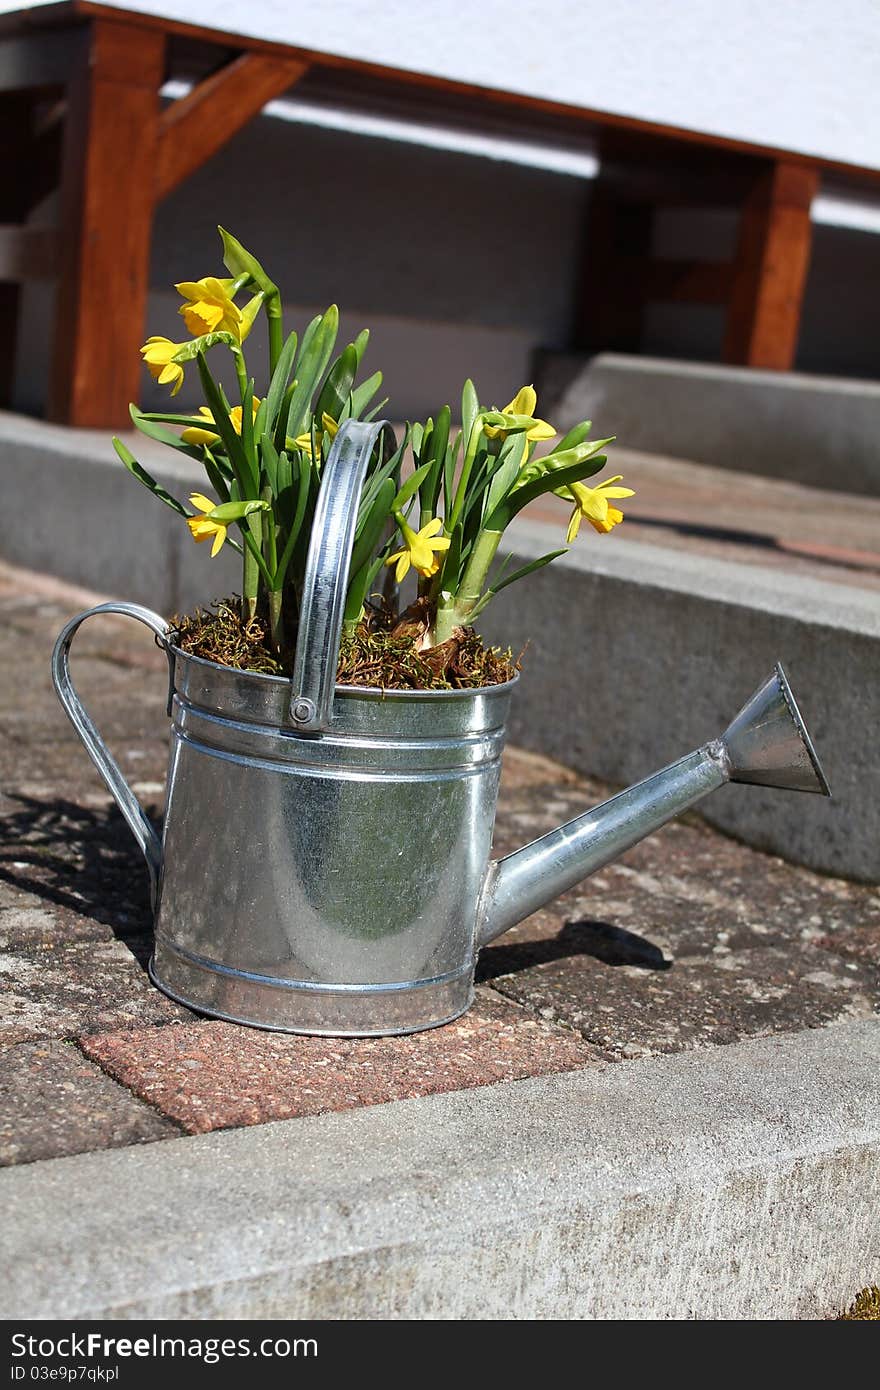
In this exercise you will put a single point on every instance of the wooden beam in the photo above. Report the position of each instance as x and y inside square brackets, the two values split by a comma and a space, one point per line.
[770, 273]
[199, 124]
[107, 200]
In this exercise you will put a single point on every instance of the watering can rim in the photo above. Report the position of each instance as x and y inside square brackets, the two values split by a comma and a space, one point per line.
[375, 691]
[794, 711]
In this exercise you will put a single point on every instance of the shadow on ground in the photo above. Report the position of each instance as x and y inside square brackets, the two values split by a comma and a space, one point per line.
[609, 944]
[80, 858]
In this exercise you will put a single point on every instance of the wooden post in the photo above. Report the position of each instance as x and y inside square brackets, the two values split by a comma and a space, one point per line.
[770, 272]
[107, 200]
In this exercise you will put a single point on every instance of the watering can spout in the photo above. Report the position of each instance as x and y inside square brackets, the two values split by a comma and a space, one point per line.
[766, 744]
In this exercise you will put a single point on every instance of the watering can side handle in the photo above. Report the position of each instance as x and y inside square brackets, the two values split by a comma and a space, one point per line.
[97, 750]
[326, 577]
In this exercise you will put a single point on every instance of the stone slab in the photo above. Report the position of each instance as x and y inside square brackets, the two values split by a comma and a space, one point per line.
[637, 654]
[733, 1184]
[216, 1075]
[811, 429]
[54, 1102]
[64, 990]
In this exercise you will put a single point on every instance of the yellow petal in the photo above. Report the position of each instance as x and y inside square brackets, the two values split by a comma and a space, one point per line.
[204, 504]
[523, 403]
[403, 565]
[432, 527]
[192, 435]
[574, 525]
[591, 502]
[218, 541]
[541, 430]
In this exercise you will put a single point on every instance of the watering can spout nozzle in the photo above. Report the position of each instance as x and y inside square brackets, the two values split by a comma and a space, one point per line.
[767, 744]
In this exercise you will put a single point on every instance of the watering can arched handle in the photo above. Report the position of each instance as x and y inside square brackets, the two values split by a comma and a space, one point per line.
[122, 794]
[326, 577]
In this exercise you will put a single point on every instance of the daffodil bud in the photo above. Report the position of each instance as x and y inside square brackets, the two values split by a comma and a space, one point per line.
[236, 511]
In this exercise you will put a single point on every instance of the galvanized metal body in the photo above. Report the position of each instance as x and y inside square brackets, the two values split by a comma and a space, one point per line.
[324, 866]
[326, 882]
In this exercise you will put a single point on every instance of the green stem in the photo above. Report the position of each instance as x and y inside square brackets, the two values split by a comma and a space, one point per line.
[276, 631]
[270, 553]
[254, 566]
[241, 373]
[276, 329]
[460, 607]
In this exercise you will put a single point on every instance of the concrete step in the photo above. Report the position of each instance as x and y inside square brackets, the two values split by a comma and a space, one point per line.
[809, 429]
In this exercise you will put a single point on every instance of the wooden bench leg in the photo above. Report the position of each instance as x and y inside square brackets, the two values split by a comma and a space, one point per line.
[772, 260]
[107, 200]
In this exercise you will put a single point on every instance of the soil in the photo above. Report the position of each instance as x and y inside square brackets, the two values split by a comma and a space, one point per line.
[383, 652]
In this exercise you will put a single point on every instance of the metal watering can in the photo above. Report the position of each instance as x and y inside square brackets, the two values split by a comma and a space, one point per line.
[324, 865]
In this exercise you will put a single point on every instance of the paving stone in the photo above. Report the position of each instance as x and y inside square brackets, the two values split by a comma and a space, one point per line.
[53, 1102]
[216, 1075]
[82, 987]
[79, 862]
[633, 1011]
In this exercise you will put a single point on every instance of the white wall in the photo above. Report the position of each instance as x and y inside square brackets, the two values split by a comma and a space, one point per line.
[798, 74]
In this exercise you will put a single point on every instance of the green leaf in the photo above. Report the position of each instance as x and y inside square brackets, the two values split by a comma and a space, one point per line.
[363, 394]
[269, 459]
[510, 463]
[248, 440]
[360, 344]
[470, 408]
[527, 569]
[218, 406]
[137, 471]
[337, 387]
[188, 352]
[163, 436]
[249, 313]
[373, 526]
[560, 458]
[278, 384]
[303, 488]
[411, 486]
[216, 477]
[240, 262]
[521, 497]
[575, 436]
[315, 353]
[371, 414]
[450, 576]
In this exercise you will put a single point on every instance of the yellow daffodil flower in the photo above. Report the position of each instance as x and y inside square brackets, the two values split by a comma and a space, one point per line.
[216, 518]
[523, 406]
[209, 308]
[593, 503]
[304, 441]
[419, 549]
[157, 354]
[194, 435]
